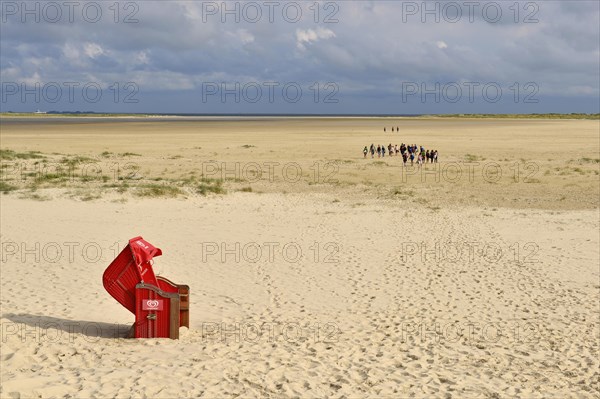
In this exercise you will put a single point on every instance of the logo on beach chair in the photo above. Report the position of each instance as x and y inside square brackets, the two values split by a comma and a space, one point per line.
[152, 304]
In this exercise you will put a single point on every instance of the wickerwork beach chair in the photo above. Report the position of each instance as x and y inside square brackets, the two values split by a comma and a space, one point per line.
[159, 305]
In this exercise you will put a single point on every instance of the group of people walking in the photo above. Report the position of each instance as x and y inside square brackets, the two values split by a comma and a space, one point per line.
[408, 152]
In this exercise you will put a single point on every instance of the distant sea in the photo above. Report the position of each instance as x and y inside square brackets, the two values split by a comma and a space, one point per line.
[91, 113]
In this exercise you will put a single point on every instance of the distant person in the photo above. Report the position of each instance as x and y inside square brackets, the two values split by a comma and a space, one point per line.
[384, 130]
[404, 157]
[412, 158]
[378, 151]
[365, 152]
[382, 151]
[372, 151]
[435, 156]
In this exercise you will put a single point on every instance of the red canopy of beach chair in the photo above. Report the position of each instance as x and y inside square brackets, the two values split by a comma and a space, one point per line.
[131, 267]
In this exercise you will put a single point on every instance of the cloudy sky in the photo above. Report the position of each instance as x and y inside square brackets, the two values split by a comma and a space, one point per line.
[344, 57]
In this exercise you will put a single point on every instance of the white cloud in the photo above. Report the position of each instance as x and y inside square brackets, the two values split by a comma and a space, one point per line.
[10, 74]
[93, 50]
[441, 45]
[191, 10]
[311, 36]
[70, 52]
[246, 36]
[142, 58]
[34, 79]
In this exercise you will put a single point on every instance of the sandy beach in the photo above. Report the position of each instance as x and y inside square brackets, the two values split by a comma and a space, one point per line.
[313, 272]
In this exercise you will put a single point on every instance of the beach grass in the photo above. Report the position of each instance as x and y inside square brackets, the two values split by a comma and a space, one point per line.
[6, 187]
[158, 190]
[209, 185]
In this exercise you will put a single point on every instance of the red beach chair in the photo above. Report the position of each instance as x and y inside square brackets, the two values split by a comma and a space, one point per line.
[160, 306]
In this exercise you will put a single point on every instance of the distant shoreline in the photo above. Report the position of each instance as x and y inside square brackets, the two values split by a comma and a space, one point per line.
[307, 116]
